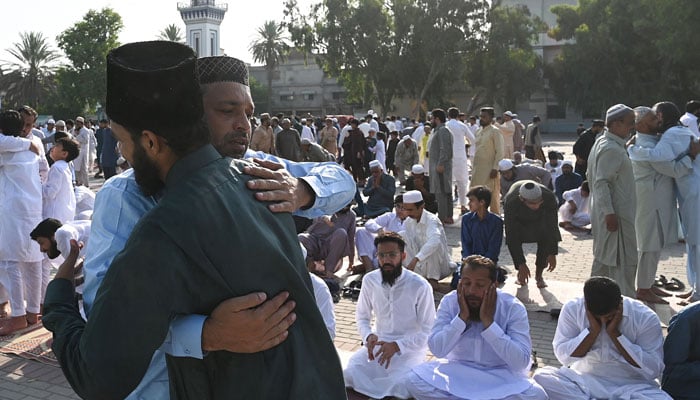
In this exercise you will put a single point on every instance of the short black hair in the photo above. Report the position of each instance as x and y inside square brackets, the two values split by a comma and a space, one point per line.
[482, 193]
[46, 228]
[398, 199]
[439, 113]
[11, 123]
[390, 237]
[692, 106]
[584, 186]
[602, 295]
[480, 262]
[71, 146]
[453, 112]
[536, 118]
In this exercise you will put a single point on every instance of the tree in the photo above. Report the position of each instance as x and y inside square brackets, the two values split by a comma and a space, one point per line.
[270, 48]
[83, 83]
[29, 78]
[172, 33]
[619, 53]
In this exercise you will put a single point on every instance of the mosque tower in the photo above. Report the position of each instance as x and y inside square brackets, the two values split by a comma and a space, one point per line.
[202, 20]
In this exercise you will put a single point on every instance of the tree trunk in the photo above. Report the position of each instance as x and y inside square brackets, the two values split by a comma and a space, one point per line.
[269, 88]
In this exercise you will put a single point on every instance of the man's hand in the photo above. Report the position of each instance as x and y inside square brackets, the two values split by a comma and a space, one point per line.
[613, 326]
[488, 306]
[694, 148]
[594, 324]
[611, 222]
[67, 269]
[328, 220]
[34, 148]
[248, 324]
[369, 344]
[493, 174]
[385, 352]
[440, 169]
[276, 184]
[463, 305]
[412, 265]
[632, 141]
[551, 262]
[572, 207]
[377, 181]
[523, 274]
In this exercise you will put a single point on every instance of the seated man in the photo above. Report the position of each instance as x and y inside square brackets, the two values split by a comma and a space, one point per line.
[380, 189]
[426, 242]
[556, 161]
[610, 346]
[398, 341]
[482, 231]
[482, 337]
[364, 236]
[681, 378]
[568, 180]
[329, 239]
[421, 182]
[530, 212]
[514, 173]
[313, 152]
[574, 213]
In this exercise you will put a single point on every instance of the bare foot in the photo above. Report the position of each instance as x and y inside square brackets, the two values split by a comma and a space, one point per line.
[686, 302]
[541, 283]
[33, 318]
[3, 310]
[13, 324]
[685, 295]
[647, 295]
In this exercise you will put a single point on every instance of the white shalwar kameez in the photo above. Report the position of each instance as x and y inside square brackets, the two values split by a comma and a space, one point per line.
[58, 194]
[673, 144]
[364, 236]
[603, 373]
[426, 240]
[75, 230]
[477, 363]
[404, 313]
[582, 216]
[460, 168]
[324, 301]
[21, 208]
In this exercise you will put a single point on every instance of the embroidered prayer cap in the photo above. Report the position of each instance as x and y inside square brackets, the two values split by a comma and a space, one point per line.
[61, 122]
[616, 112]
[305, 141]
[375, 164]
[153, 85]
[568, 162]
[508, 113]
[50, 122]
[412, 197]
[222, 69]
[80, 119]
[598, 122]
[530, 191]
[505, 165]
[640, 112]
[418, 169]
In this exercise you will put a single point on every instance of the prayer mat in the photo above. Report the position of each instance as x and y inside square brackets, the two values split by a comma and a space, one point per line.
[32, 342]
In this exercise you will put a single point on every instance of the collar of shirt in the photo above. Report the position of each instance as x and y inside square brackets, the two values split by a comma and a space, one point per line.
[191, 162]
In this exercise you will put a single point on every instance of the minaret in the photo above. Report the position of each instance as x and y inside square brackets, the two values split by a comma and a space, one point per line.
[202, 19]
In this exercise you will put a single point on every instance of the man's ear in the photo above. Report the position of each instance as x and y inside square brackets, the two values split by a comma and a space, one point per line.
[152, 143]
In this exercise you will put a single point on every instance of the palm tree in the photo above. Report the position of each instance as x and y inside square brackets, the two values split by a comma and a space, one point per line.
[30, 76]
[270, 48]
[171, 32]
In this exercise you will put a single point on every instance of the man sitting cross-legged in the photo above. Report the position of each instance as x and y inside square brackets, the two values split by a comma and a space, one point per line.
[404, 310]
[611, 347]
[364, 236]
[329, 239]
[575, 212]
[482, 337]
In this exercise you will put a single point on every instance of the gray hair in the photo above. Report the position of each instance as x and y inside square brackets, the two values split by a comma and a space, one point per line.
[640, 112]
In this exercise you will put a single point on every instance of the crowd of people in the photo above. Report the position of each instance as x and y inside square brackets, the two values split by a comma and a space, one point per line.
[246, 222]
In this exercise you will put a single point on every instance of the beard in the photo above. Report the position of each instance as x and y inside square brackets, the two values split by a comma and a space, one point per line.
[234, 144]
[146, 172]
[474, 312]
[390, 272]
[484, 123]
[53, 251]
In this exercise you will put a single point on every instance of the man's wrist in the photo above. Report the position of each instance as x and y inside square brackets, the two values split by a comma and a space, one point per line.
[308, 196]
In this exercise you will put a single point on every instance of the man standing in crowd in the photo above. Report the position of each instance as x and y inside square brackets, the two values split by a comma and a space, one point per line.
[460, 169]
[441, 151]
[690, 118]
[584, 144]
[288, 142]
[533, 140]
[613, 202]
[489, 151]
[82, 164]
[263, 138]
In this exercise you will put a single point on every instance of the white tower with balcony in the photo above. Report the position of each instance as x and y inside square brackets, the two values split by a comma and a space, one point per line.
[202, 20]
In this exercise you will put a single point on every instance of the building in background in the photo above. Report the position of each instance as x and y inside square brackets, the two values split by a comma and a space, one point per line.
[203, 20]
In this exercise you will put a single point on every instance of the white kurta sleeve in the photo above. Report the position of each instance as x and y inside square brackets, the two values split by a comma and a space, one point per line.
[513, 346]
[13, 144]
[606, 172]
[448, 327]
[432, 236]
[568, 335]
[53, 184]
[425, 317]
[381, 222]
[648, 351]
[667, 149]
[363, 312]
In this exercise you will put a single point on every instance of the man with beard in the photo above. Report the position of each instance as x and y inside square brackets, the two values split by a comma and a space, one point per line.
[482, 339]
[404, 310]
[263, 138]
[656, 218]
[187, 243]
[584, 144]
[440, 165]
[613, 202]
[288, 142]
[228, 104]
[674, 143]
[568, 180]
[364, 236]
[489, 151]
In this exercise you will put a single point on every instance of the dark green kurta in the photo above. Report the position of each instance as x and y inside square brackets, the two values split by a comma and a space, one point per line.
[207, 240]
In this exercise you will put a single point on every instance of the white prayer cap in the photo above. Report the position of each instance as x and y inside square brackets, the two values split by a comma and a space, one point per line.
[303, 120]
[640, 112]
[375, 164]
[530, 191]
[80, 119]
[372, 130]
[335, 120]
[370, 112]
[305, 141]
[505, 165]
[569, 163]
[508, 113]
[412, 197]
[51, 122]
[418, 169]
[616, 111]
[60, 122]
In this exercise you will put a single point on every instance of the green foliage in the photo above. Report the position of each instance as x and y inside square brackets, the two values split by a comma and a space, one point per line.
[270, 48]
[172, 33]
[83, 83]
[635, 53]
[29, 78]
[259, 94]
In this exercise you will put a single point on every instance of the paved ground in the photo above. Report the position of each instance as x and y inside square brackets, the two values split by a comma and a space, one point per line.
[28, 380]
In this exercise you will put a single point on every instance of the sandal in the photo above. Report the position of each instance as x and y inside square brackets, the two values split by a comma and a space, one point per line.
[660, 281]
[674, 285]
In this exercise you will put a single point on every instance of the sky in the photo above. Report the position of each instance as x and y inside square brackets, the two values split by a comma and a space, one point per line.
[142, 19]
